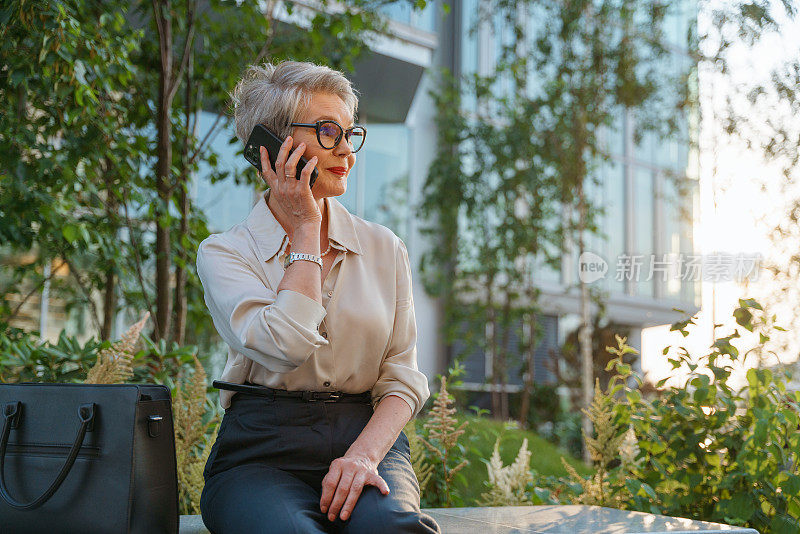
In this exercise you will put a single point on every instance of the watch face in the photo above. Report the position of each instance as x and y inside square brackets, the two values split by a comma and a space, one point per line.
[287, 261]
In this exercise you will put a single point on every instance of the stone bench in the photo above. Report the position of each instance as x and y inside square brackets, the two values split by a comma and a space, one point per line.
[566, 519]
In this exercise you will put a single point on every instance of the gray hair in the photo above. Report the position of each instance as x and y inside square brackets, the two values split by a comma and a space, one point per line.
[272, 95]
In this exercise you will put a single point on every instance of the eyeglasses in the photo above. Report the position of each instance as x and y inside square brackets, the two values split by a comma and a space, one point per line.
[329, 133]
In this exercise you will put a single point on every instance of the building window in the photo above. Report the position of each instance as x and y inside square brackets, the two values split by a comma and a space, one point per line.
[468, 349]
[402, 12]
[643, 205]
[385, 184]
[225, 203]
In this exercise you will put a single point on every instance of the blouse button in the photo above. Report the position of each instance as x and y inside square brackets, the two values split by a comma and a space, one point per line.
[330, 293]
[326, 384]
[324, 334]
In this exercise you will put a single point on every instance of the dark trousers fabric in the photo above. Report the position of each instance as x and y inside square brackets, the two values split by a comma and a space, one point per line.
[265, 471]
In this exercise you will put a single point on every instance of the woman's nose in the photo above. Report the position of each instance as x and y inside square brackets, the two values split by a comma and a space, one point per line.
[343, 149]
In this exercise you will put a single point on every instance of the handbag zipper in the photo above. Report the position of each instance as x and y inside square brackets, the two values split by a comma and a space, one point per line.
[54, 450]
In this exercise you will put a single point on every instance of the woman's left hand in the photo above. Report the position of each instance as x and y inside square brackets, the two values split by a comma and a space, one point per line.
[342, 486]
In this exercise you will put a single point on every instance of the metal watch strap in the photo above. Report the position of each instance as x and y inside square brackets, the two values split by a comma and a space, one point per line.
[294, 256]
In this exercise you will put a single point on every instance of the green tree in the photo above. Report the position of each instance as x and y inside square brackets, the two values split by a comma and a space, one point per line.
[605, 57]
[487, 201]
[64, 87]
[509, 186]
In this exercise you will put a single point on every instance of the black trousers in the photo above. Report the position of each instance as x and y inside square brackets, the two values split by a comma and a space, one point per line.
[265, 471]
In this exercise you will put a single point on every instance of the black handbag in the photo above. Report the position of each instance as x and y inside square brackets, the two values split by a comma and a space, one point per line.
[87, 458]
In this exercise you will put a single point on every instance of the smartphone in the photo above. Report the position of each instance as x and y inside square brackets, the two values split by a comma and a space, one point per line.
[262, 136]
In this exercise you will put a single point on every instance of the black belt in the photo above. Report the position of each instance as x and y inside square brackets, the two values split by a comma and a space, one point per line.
[249, 388]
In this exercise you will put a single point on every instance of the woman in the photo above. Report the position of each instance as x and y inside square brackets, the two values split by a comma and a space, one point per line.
[331, 333]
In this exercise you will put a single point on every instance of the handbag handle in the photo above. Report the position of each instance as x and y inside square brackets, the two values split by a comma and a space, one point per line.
[12, 413]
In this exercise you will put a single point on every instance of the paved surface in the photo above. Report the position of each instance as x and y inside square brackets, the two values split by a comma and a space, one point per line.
[545, 519]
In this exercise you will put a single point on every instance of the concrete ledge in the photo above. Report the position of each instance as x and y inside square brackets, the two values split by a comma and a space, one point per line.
[565, 519]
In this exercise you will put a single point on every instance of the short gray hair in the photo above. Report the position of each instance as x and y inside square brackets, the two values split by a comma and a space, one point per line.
[274, 94]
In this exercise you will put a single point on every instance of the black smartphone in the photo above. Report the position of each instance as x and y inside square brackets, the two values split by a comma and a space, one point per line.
[262, 136]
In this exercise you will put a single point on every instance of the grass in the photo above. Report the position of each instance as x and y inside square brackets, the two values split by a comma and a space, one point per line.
[479, 439]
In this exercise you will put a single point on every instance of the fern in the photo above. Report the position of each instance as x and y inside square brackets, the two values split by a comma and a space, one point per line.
[190, 437]
[113, 365]
[419, 462]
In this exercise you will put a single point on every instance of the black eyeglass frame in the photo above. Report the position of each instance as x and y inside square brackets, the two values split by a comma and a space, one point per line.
[343, 133]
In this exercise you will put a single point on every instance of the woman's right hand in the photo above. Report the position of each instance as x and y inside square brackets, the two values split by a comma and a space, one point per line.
[294, 196]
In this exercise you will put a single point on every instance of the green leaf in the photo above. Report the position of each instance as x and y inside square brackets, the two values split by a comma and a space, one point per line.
[792, 485]
[43, 52]
[700, 394]
[752, 303]
[649, 491]
[742, 505]
[752, 377]
[782, 524]
[633, 485]
[70, 233]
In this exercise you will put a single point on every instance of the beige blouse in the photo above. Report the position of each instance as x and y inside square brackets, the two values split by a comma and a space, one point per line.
[362, 337]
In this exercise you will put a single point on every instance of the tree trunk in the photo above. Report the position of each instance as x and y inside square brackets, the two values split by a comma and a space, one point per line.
[163, 164]
[585, 334]
[491, 345]
[110, 293]
[168, 82]
[527, 390]
[109, 304]
[502, 356]
[110, 289]
[180, 305]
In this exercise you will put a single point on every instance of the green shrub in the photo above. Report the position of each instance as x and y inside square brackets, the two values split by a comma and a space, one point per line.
[567, 433]
[704, 449]
[25, 358]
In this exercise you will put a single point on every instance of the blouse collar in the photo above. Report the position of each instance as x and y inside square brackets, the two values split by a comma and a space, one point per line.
[270, 235]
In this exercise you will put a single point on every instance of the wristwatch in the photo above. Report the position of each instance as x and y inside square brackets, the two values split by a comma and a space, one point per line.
[294, 256]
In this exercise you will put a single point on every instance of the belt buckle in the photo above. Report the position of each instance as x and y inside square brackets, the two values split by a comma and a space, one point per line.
[324, 396]
[333, 397]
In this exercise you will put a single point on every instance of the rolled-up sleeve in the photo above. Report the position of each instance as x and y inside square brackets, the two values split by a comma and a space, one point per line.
[278, 331]
[399, 374]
